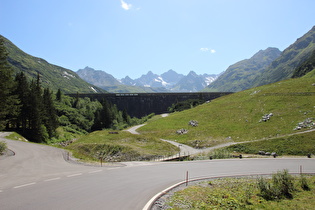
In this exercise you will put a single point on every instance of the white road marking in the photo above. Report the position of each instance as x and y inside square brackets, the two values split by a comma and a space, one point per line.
[112, 168]
[91, 172]
[72, 175]
[53, 179]
[24, 185]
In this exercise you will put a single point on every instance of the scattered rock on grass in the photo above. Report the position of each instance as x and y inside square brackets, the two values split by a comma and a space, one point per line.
[182, 131]
[308, 123]
[193, 123]
[266, 117]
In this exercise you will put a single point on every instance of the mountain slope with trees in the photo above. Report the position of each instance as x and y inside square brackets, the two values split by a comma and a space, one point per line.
[52, 76]
[7, 99]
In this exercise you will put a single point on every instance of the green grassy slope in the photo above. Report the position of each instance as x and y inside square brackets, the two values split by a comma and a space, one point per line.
[301, 145]
[236, 117]
[123, 146]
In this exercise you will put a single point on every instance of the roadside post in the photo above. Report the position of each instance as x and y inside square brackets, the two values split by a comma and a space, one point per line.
[186, 178]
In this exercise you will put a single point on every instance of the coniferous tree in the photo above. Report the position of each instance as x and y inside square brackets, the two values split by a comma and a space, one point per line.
[50, 118]
[59, 95]
[98, 122]
[23, 92]
[125, 116]
[38, 129]
[8, 101]
[103, 117]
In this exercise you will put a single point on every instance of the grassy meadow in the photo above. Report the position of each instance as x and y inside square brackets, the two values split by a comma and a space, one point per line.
[236, 117]
[243, 193]
[299, 145]
[120, 146]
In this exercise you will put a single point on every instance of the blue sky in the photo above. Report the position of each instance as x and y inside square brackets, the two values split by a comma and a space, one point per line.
[132, 37]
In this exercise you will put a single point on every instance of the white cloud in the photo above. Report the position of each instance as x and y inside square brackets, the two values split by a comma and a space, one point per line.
[125, 6]
[205, 49]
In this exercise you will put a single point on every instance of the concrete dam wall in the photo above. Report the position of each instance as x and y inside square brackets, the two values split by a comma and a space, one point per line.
[142, 104]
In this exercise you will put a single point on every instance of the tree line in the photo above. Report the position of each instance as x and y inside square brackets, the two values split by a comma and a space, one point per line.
[42, 116]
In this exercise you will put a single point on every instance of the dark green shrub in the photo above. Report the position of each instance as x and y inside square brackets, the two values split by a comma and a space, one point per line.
[304, 184]
[3, 147]
[281, 186]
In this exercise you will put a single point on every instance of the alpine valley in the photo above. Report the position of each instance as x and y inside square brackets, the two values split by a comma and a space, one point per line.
[264, 67]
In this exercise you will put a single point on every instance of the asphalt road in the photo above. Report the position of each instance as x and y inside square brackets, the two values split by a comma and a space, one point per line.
[37, 177]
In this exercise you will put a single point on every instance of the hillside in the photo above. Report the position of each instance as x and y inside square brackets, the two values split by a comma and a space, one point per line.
[293, 56]
[238, 117]
[240, 75]
[52, 76]
[307, 66]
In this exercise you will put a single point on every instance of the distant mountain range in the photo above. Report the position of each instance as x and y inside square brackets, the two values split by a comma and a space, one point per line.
[169, 81]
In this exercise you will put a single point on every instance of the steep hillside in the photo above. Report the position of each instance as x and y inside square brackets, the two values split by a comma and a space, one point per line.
[52, 76]
[307, 66]
[293, 56]
[240, 116]
[240, 75]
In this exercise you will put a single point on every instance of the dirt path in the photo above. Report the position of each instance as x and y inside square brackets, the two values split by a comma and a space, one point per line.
[187, 150]
[134, 128]
[184, 149]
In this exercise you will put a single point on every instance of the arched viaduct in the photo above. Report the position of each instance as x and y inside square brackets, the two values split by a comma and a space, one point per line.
[141, 104]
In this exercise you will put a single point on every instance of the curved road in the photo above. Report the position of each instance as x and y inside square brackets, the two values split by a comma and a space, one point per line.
[37, 177]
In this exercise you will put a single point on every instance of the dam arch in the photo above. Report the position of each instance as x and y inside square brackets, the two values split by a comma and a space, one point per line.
[142, 104]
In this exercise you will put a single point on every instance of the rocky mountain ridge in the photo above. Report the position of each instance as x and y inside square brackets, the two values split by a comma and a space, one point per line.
[169, 81]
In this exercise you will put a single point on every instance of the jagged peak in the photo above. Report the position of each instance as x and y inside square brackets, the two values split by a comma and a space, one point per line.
[192, 73]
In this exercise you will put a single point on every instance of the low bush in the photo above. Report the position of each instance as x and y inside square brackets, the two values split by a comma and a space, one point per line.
[3, 147]
[280, 187]
[282, 191]
[219, 154]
